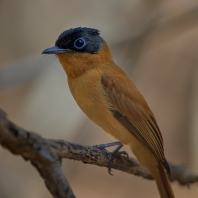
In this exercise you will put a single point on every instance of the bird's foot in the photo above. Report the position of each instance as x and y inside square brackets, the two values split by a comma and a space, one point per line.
[116, 151]
[109, 154]
[104, 146]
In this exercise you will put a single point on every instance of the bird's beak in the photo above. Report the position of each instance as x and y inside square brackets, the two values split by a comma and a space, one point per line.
[54, 50]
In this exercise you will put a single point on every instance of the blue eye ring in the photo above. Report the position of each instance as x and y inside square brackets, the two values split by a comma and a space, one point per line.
[79, 43]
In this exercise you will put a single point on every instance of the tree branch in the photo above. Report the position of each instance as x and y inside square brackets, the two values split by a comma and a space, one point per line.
[46, 156]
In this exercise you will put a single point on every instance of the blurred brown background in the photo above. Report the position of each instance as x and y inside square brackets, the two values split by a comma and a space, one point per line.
[155, 42]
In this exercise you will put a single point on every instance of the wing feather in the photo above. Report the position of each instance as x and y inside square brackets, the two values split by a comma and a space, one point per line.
[131, 109]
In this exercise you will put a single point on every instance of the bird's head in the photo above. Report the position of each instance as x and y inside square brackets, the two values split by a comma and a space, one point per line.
[80, 49]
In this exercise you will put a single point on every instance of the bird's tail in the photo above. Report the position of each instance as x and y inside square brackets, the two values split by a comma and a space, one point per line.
[163, 183]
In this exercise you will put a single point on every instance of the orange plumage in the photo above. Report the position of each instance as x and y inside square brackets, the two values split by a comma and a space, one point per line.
[110, 99]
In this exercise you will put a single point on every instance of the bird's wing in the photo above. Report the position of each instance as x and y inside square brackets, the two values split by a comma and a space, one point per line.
[131, 109]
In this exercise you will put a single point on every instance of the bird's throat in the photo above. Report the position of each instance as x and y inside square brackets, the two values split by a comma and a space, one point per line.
[76, 64]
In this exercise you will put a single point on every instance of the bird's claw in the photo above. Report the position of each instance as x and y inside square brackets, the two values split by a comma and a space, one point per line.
[110, 171]
[102, 147]
[109, 154]
[123, 153]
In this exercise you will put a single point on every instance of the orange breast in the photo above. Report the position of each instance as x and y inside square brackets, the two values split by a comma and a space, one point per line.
[89, 95]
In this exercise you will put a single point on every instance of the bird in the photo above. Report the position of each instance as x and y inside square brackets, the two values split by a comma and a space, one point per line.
[111, 100]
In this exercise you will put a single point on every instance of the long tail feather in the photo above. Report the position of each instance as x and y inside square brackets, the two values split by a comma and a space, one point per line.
[163, 183]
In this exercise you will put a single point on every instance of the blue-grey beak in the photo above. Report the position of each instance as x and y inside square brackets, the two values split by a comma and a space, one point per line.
[54, 50]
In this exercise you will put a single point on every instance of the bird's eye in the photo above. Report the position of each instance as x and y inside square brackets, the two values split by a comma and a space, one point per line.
[79, 43]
